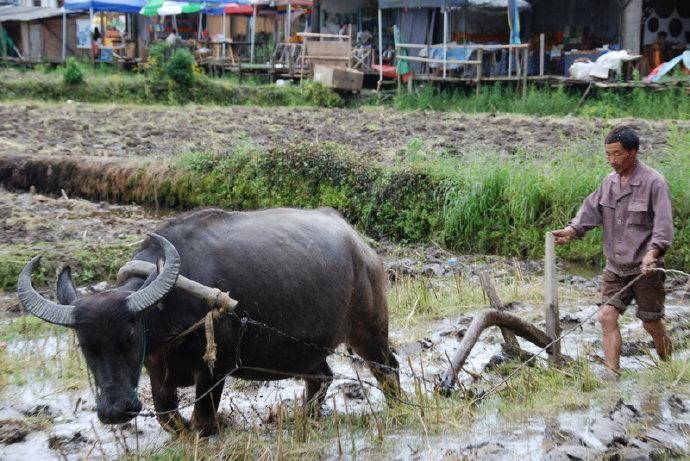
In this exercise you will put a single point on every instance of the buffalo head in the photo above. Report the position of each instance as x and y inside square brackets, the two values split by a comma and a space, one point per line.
[109, 327]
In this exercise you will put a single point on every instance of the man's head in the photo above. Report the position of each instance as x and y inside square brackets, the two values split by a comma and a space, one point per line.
[621, 146]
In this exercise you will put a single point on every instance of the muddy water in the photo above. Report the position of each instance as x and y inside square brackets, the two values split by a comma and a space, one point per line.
[74, 431]
[41, 419]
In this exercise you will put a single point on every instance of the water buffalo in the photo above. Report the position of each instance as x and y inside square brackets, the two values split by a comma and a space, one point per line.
[305, 272]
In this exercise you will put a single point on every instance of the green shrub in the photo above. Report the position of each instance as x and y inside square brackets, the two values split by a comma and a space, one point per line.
[74, 74]
[318, 95]
[180, 67]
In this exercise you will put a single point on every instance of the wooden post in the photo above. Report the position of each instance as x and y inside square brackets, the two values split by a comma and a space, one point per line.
[253, 36]
[380, 84]
[541, 54]
[480, 58]
[553, 325]
[64, 35]
[445, 42]
[524, 71]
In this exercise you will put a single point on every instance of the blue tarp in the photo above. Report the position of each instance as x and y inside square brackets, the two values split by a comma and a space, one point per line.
[113, 6]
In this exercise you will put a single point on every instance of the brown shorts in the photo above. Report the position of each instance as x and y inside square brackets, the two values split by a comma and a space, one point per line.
[648, 292]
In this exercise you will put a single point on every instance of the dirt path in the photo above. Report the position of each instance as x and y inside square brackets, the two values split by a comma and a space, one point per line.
[100, 130]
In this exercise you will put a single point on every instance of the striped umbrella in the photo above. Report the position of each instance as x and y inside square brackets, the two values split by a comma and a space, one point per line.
[169, 8]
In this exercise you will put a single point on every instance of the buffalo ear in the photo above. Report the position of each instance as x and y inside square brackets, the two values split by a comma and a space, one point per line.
[152, 276]
[66, 293]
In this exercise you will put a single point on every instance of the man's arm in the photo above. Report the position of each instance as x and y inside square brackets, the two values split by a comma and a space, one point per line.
[662, 226]
[588, 217]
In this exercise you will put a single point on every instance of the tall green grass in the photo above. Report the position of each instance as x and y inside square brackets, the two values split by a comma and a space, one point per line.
[640, 103]
[119, 87]
[489, 203]
[107, 85]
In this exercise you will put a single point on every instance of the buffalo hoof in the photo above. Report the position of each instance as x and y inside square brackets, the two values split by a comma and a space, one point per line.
[205, 427]
[175, 424]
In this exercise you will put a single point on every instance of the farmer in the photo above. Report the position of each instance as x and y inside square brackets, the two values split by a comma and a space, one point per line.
[633, 206]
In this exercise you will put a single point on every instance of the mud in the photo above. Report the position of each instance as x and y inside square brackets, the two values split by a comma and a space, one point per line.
[29, 217]
[117, 131]
[41, 420]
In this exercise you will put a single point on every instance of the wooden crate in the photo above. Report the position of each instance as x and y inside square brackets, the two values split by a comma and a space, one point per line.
[338, 77]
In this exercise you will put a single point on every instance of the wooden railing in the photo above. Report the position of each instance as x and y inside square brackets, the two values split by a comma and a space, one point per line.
[479, 51]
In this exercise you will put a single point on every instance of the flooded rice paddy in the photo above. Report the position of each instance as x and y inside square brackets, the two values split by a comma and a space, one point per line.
[47, 409]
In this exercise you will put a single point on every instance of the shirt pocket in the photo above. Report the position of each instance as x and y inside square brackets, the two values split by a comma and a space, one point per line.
[639, 214]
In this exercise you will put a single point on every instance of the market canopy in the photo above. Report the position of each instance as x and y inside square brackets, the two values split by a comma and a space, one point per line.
[478, 4]
[170, 8]
[238, 8]
[113, 6]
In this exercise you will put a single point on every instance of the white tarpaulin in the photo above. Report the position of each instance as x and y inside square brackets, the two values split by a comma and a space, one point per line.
[613, 60]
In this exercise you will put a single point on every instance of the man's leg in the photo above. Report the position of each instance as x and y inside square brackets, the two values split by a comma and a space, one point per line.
[608, 318]
[662, 340]
[650, 295]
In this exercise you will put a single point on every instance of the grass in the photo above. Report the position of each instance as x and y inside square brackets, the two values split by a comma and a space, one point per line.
[638, 103]
[479, 203]
[125, 88]
[104, 84]
[35, 352]
[417, 300]
[90, 263]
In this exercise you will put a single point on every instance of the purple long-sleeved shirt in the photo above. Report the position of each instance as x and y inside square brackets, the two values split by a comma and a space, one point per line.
[636, 217]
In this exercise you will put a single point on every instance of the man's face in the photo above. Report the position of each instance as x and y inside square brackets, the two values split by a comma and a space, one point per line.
[619, 158]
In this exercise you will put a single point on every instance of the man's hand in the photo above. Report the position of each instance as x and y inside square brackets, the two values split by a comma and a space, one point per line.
[649, 262]
[564, 235]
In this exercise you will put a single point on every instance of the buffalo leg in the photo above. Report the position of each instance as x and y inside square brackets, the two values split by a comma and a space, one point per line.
[204, 418]
[317, 388]
[384, 367]
[165, 401]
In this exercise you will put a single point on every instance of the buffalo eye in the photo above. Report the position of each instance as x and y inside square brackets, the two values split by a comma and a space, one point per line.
[127, 338]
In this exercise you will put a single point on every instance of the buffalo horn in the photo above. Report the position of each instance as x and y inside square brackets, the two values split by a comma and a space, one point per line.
[44, 309]
[152, 294]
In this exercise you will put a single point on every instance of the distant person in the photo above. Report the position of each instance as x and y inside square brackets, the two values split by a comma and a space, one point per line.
[633, 205]
[96, 35]
[172, 38]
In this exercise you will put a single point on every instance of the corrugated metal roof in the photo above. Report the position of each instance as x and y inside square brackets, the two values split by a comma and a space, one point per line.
[27, 13]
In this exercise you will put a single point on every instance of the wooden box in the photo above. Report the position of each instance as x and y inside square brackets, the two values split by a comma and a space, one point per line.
[339, 78]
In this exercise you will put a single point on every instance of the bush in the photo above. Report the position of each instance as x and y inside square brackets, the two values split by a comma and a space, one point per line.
[74, 74]
[181, 67]
[318, 95]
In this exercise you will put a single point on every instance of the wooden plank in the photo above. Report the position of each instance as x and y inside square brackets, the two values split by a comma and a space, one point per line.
[473, 47]
[551, 314]
[436, 61]
[490, 291]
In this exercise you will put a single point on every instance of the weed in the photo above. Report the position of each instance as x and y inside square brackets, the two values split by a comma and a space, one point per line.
[74, 74]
